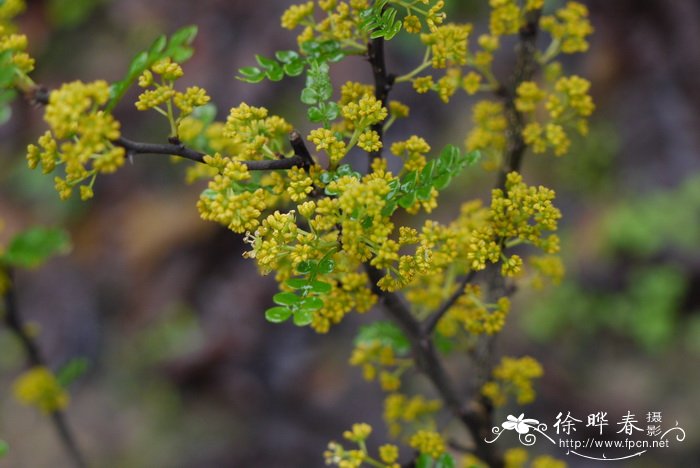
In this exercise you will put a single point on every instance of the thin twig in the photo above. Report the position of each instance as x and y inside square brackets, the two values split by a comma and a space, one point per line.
[525, 67]
[14, 322]
[433, 320]
[383, 82]
[40, 96]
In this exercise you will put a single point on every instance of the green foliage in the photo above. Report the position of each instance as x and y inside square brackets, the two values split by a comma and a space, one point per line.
[8, 72]
[436, 174]
[70, 13]
[314, 58]
[444, 461]
[380, 20]
[306, 298]
[177, 48]
[72, 371]
[4, 448]
[387, 334]
[33, 247]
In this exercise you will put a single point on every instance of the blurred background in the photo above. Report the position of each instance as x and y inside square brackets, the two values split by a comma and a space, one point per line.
[183, 369]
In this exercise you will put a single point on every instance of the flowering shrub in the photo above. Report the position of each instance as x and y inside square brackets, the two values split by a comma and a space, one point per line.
[328, 231]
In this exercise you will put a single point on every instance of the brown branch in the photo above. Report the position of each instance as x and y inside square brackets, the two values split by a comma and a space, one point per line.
[475, 416]
[13, 321]
[39, 95]
[524, 70]
[383, 82]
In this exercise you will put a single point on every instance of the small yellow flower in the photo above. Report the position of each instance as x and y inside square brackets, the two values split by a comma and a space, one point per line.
[38, 387]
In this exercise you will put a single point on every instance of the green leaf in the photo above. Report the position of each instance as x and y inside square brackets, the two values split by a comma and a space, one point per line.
[4, 448]
[33, 247]
[277, 314]
[443, 343]
[275, 73]
[295, 68]
[306, 266]
[424, 461]
[181, 54]
[251, 74]
[286, 298]
[205, 113]
[303, 317]
[210, 194]
[287, 56]
[387, 334]
[183, 36]
[445, 461]
[265, 62]
[320, 287]
[326, 266]
[138, 65]
[311, 303]
[157, 47]
[5, 113]
[442, 181]
[297, 283]
[309, 96]
[315, 114]
[407, 200]
[332, 111]
[71, 371]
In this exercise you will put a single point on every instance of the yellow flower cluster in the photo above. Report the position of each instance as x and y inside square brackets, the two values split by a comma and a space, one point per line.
[300, 184]
[341, 22]
[350, 292]
[546, 267]
[16, 44]
[489, 132]
[336, 454]
[253, 134]
[229, 202]
[358, 433]
[412, 151]
[377, 357]
[506, 17]
[570, 27]
[326, 140]
[518, 458]
[428, 442]
[80, 138]
[365, 112]
[38, 387]
[11, 8]
[521, 214]
[569, 105]
[164, 92]
[295, 14]
[513, 377]
[472, 315]
[448, 44]
[401, 411]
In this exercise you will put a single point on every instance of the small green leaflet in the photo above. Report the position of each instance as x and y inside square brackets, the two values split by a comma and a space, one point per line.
[436, 174]
[301, 304]
[33, 247]
[72, 371]
[387, 334]
[444, 461]
[177, 48]
[380, 20]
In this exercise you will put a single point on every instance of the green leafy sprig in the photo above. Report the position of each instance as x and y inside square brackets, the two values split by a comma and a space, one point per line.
[305, 300]
[177, 48]
[418, 185]
[380, 20]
